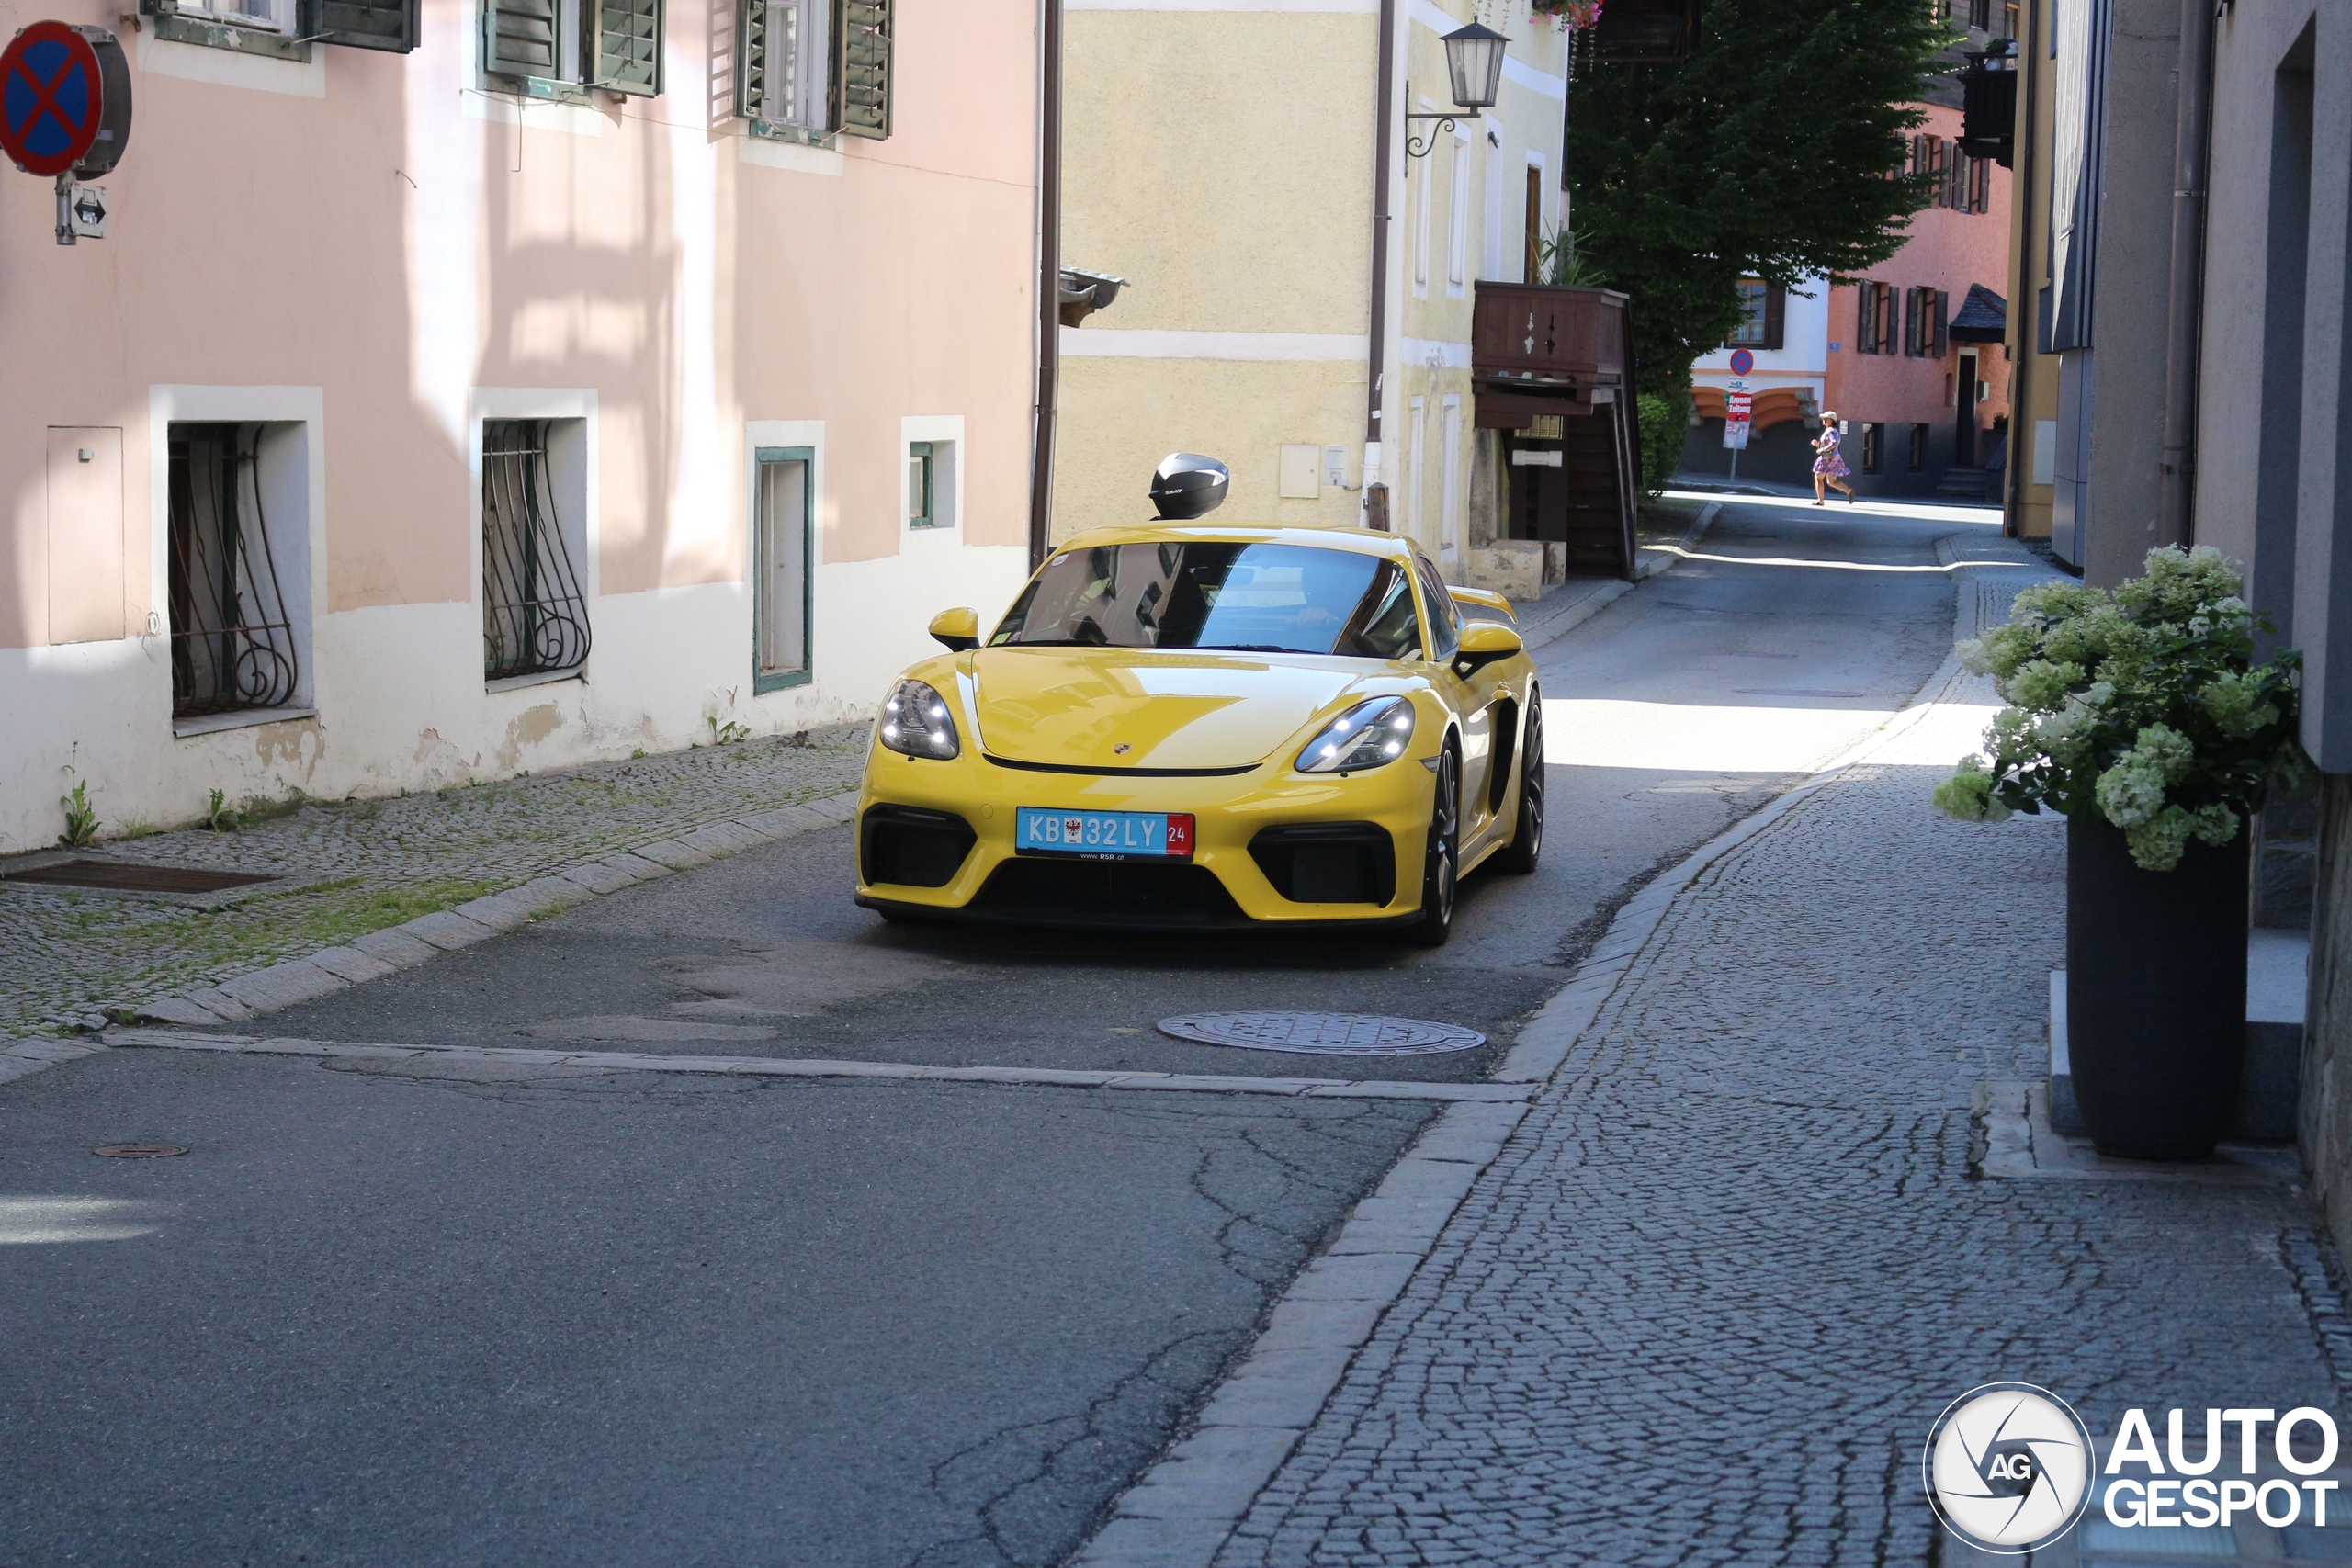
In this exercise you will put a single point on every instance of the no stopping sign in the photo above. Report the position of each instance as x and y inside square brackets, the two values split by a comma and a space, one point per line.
[64, 99]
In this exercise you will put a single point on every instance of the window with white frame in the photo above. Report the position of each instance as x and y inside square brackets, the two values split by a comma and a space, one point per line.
[1491, 261]
[534, 540]
[784, 546]
[285, 29]
[1449, 504]
[1414, 482]
[559, 48]
[236, 568]
[1457, 230]
[1421, 169]
[931, 484]
[813, 70]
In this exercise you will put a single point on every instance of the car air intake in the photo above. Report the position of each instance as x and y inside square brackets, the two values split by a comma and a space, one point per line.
[909, 846]
[1329, 862]
[1108, 893]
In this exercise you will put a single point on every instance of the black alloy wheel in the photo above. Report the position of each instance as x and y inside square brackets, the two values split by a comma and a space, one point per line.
[1526, 846]
[1441, 862]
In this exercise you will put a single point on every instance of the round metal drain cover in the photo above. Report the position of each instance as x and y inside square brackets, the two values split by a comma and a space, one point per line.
[1323, 1033]
[139, 1151]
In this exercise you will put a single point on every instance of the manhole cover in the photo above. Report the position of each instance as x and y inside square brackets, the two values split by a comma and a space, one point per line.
[139, 1151]
[117, 877]
[1322, 1033]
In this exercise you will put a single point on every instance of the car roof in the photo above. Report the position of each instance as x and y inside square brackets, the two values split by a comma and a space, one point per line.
[1357, 541]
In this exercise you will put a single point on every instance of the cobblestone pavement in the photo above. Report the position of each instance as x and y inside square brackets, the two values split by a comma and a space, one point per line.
[63, 954]
[1707, 1302]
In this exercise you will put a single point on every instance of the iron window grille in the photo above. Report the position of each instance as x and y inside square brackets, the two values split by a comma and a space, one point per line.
[232, 642]
[781, 604]
[1873, 447]
[1918, 447]
[534, 615]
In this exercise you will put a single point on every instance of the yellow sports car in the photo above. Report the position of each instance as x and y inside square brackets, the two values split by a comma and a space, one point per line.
[1182, 724]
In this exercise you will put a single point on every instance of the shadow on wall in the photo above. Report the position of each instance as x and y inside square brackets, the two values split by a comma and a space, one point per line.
[1783, 454]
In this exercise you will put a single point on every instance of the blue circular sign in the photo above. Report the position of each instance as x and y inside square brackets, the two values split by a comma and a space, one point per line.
[50, 100]
[1742, 362]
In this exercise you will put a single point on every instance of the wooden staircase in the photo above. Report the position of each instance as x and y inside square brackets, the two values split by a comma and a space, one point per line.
[1553, 370]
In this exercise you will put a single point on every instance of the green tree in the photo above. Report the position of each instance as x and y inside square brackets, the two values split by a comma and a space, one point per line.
[1767, 154]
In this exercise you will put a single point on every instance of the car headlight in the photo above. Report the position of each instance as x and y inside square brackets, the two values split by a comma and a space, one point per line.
[916, 723]
[1369, 734]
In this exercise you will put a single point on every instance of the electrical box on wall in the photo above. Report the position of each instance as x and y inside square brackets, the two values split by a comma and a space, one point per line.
[1299, 478]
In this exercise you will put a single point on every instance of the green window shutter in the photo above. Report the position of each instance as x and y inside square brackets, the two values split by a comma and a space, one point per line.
[388, 25]
[628, 37]
[519, 37]
[752, 58]
[861, 67]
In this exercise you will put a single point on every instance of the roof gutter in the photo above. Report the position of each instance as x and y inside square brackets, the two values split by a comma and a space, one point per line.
[2192, 136]
[1381, 139]
[1050, 275]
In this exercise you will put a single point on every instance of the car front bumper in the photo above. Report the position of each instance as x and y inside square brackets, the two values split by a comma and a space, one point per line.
[1363, 836]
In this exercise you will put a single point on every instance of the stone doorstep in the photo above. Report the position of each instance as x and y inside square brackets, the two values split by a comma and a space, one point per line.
[2020, 1144]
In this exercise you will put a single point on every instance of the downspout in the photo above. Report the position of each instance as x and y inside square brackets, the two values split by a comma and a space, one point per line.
[1379, 336]
[2024, 318]
[2193, 130]
[1049, 270]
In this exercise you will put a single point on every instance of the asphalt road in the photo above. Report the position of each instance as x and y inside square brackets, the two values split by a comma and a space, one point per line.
[457, 1313]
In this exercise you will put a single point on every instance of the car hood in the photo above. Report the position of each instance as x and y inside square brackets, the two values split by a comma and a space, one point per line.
[1117, 708]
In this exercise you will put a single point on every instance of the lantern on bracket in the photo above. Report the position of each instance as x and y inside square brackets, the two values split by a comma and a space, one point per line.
[1473, 59]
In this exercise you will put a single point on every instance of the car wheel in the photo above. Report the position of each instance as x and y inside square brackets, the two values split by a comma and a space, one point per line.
[1442, 860]
[1526, 846]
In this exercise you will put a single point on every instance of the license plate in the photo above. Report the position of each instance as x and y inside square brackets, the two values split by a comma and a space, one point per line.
[1103, 835]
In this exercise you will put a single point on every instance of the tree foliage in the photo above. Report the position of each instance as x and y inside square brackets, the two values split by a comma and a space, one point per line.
[1766, 156]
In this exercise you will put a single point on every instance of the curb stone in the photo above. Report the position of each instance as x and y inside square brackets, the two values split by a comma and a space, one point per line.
[1654, 561]
[411, 943]
[1182, 1510]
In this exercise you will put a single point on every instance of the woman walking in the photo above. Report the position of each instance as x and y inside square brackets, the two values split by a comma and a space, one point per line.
[1828, 467]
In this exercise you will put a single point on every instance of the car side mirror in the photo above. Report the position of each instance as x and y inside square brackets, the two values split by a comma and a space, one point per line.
[1484, 643]
[956, 629]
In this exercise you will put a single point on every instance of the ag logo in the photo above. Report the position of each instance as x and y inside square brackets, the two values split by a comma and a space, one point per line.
[2007, 1467]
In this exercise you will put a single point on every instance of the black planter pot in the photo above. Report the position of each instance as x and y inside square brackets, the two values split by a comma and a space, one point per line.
[2155, 992]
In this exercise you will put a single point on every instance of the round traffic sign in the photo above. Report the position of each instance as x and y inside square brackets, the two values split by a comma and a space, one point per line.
[50, 99]
[1742, 362]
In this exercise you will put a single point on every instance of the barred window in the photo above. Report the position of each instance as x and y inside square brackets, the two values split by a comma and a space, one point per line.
[534, 615]
[232, 642]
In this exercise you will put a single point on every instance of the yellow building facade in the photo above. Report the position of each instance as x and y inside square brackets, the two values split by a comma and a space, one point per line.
[1220, 156]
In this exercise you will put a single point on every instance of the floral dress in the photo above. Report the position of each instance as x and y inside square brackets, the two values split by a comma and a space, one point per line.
[1829, 462]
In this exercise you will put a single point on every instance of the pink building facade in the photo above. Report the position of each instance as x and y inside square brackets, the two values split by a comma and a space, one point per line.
[591, 374]
[1909, 357]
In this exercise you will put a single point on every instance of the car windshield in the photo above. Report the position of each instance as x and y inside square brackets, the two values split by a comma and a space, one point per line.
[1235, 597]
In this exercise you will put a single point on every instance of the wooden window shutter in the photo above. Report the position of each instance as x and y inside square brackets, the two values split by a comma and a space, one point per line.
[752, 58]
[388, 25]
[628, 37]
[861, 67]
[1776, 314]
[1941, 343]
[520, 38]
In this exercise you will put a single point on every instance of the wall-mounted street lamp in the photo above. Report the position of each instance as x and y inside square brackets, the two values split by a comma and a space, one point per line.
[1473, 58]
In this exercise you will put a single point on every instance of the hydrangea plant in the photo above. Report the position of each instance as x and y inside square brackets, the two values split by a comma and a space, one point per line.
[2142, 704]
